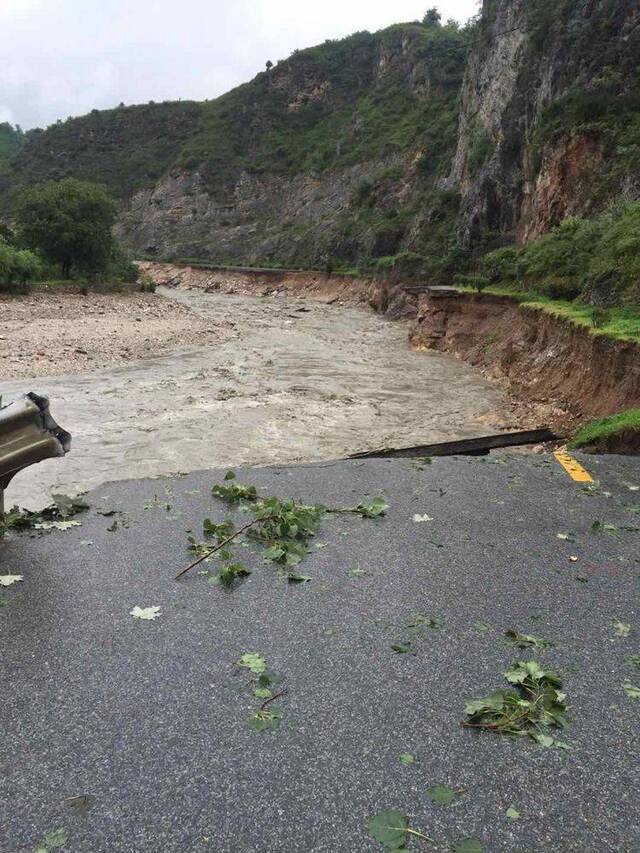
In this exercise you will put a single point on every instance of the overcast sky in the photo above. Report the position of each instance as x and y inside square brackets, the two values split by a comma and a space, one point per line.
[62, 58]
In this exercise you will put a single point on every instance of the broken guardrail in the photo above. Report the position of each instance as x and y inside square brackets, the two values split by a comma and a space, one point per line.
[465, 447]
[28, 434]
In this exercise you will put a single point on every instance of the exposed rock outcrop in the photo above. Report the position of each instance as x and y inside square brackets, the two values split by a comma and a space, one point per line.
[520, 166]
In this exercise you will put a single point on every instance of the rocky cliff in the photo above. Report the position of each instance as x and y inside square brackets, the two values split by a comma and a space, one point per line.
[550, 116]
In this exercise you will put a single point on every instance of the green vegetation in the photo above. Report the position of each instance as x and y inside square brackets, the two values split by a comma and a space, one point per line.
[126, 149]
[11, 141]
[70, 223]
[530, 708]
[614, 425]
[595, 260]
[282, 124]
[18, 268]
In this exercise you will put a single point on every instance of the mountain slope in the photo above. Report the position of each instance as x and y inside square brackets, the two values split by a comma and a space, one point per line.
[417, 148]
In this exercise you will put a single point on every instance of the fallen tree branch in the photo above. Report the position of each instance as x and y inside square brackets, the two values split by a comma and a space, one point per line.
[221, 545]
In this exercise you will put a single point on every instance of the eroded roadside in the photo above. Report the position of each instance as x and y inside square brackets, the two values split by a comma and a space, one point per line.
[279, 380]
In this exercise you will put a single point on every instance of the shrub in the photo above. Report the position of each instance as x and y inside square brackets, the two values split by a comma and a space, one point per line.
[18, 268]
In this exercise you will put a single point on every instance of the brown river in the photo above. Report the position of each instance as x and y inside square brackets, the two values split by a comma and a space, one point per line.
[294, 380]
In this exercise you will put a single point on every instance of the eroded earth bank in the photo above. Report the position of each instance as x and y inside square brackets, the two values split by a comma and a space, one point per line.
[265, 372]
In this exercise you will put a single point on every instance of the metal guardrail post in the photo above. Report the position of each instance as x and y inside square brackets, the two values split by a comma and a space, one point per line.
[28, 434]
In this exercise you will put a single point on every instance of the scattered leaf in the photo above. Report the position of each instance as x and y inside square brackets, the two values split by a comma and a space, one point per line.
[631, 690]
[148, 613]
[294, 577]
[81, 804]
[442, 795]
[467, 845]
[52, 840]
[421, 519]
[389, 828]
[265, 720]
[526, 641]
[9, 580]
[512, 813]
[356, 573]
[633, 660]
[622, 629]
[230, 475]
[407, 758]
[255, 662]
[372, 509]
[482, 627]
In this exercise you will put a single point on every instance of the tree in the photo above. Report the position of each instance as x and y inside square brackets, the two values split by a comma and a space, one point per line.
[432, 18]
[269, 65]
[70, 222]
[18, 265]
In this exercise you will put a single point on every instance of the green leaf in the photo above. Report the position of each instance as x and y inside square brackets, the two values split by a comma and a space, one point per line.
[293, 577]
[230, 475]
[512, 813]
[467, 845]
[255, 662]
[482, 627]
[265, 720]
[542, 739]
[441, 795]
[525, 641]
[356, 573]
[631, 690]
[633, 660]
[52, 840]
[372, 509]
[389, 828]
[262, 693]
[401, 648]
[622, 629]
[407, 758]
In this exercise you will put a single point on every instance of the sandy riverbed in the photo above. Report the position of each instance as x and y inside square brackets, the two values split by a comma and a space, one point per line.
[50, 334]
[257, 380]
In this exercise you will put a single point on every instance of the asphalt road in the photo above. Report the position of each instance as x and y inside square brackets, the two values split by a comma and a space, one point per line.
[148, 719]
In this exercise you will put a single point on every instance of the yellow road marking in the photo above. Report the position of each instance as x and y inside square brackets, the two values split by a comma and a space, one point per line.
[573, 468]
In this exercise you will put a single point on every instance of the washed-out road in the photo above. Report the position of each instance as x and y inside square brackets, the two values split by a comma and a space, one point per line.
[132, 736]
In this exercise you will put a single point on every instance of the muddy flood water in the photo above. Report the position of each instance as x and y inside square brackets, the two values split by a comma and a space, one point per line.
[277, 379]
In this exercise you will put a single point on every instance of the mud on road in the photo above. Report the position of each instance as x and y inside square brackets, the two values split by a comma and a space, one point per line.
[270, 379]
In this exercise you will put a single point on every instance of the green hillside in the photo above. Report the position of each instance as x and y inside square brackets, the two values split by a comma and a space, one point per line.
[126, 148]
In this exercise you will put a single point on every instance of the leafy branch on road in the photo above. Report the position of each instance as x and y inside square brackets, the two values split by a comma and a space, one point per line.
[56, 514]
[282, 527]
[268, 716]
[534, 705]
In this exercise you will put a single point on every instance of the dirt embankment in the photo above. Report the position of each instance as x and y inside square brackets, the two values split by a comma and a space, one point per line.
[334, 289]
[554, 368]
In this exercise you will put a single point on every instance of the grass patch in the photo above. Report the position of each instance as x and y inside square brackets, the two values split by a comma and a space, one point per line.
[628, 421]
[622, 324]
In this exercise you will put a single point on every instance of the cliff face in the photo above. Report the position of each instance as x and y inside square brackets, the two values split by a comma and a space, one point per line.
[550, 115]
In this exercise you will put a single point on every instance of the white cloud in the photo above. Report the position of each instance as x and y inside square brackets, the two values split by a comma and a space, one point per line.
[66, 57]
